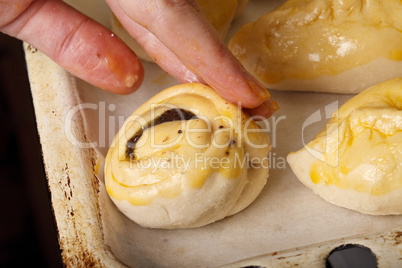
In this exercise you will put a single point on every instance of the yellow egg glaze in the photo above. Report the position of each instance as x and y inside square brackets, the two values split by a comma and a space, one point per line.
[362, 144]
[202, 156]
[188, 171]
[305, 39]
[195, 147]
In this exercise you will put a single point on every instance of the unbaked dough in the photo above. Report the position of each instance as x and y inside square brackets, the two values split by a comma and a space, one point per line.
[356, 161]
[339, 46]
[186, 158]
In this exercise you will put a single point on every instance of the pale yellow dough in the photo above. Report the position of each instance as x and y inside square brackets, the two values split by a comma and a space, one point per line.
[341, 46]
[187, 173]
[219, 13]
[356, 161]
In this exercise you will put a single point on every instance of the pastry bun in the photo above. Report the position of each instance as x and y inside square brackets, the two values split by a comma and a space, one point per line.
[323, 45]
[186, 158]
[355, 162]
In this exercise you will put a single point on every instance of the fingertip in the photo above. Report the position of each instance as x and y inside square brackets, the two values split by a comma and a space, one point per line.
[238, 85]
[122, 66]
[132, 83]
[265, 110]
[80, 45]
[117, 72]
[255, 88]
[129, 84]
[108, 62]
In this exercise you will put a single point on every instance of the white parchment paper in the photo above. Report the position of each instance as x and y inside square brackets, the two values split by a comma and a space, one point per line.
[286, 215]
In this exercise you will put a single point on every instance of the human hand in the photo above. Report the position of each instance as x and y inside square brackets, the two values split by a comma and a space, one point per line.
[173, 32]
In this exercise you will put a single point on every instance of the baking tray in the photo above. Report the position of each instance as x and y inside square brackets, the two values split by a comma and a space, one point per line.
[72, 169]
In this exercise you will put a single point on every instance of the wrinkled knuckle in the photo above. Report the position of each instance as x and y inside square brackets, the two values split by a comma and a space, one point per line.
[11, 10]
[165, 7]
[161, 5]
[170, 3]
[68, 45]
[152, 13]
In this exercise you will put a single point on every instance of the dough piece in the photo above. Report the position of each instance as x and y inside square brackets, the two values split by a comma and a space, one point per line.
[241, 6]
[339, 46]
[186, 158]
[219, 13]
[356, 161]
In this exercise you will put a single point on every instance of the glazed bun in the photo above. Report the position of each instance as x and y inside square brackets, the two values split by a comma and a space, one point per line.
[323, 45]
[182, 160]
[355, 162]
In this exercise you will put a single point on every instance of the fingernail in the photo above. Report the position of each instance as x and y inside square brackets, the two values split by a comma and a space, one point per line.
[269, 107]
[272, 105]
[266, 109]
[258, 89]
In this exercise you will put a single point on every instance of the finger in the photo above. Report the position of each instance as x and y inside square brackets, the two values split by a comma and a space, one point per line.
[265, 110]
[79, 44]
[196, 44]
[12, 9]
[155, 48]
[171, 64]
